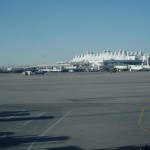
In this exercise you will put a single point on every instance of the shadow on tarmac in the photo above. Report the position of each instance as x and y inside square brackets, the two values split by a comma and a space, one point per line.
[25, 118]
[13, 113]
[132, 147]
[65, 148]
[10, 141]
[5, 134]
[19, 116]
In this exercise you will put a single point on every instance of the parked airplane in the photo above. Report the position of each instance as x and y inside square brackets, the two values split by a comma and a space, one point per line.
[136, 68]
[34, 72]
[121, 67]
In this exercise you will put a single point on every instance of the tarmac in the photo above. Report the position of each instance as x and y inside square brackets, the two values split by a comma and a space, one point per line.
[75, 111]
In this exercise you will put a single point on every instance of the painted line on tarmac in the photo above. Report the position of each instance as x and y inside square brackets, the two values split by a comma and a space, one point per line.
[50, 128]
[141, 119]
[27, 122]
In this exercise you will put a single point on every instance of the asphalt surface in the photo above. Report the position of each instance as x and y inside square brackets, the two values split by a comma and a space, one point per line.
[75, 111]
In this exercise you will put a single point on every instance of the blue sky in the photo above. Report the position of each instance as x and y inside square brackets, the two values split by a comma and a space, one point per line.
[47, 31]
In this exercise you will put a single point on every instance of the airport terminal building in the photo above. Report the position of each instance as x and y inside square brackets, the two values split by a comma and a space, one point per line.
[108, 55]
[103, 61]
[115, 58]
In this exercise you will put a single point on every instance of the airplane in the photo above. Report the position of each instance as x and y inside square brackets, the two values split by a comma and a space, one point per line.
[36, 72]
[136, 68]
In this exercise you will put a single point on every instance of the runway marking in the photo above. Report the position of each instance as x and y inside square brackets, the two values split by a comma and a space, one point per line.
[27, 122]
[141, 119]
[50, 128]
